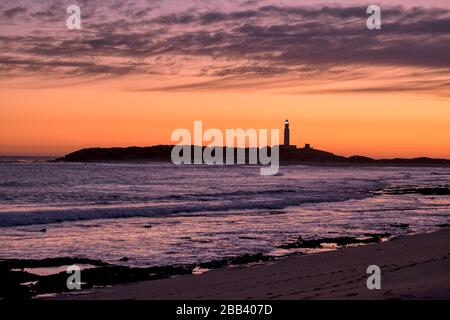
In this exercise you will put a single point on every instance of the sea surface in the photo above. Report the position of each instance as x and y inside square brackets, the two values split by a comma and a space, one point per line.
[162, 214]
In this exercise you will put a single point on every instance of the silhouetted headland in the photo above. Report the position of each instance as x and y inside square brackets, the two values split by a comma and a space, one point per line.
[288, 155]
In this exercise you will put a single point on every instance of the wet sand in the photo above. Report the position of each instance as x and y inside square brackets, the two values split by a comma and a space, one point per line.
[412, 267]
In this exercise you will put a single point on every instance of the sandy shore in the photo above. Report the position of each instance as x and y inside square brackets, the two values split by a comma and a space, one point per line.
[412, 267]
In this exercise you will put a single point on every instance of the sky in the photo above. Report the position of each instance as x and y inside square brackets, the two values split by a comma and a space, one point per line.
[137, 70]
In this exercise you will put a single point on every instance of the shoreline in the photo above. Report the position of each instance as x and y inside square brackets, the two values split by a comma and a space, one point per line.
[412, 267]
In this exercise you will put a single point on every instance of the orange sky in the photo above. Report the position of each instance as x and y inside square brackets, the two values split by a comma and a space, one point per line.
[134, 73]
[55, 121]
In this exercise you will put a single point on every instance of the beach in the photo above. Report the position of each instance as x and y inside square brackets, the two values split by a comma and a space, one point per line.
[412, 267]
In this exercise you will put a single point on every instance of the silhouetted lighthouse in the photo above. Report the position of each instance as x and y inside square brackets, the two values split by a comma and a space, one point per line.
[287, 141]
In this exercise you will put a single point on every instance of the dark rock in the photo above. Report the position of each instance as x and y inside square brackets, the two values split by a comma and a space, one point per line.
[378, 236]
[104, 274]
[47, 263]
[339, 241]
[244, 259]
[400, 225]
[11, 281]
[443, 225]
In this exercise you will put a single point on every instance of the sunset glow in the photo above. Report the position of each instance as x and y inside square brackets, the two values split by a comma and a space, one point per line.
[123, 81]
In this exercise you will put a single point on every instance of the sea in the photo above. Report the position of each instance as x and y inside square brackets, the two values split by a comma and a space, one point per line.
[154, 214]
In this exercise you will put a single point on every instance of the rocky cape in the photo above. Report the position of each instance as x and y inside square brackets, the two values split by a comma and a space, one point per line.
[288, 155]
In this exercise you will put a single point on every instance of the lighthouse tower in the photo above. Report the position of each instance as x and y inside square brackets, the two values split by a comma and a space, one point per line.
[287, 141]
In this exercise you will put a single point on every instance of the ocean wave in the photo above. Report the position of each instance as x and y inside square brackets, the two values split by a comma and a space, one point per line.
[218, 195]
[10, 219]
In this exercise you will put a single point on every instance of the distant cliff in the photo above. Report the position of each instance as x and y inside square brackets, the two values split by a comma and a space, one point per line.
[291, 155]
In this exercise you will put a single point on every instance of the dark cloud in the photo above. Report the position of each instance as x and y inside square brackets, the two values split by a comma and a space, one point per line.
[263, 41]
[64, 67]
[11, 13]
[175, 19]
[438, 88]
